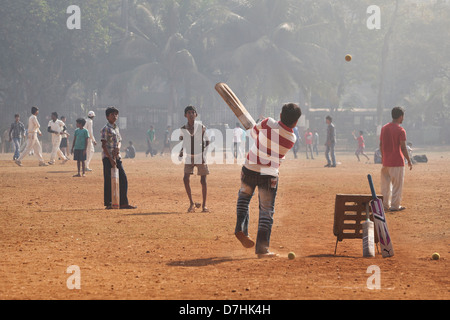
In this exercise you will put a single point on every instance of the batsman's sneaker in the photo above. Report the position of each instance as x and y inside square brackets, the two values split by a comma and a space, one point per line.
[18, 163]
[43, 164]
[397, 209]
[267, 255]
[246, 241]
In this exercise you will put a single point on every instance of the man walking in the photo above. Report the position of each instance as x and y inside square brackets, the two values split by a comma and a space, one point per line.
[32, 139]
[150, 141]
[57, 128]
[16, 133]
[330, 143]
[92, 142]
[393, 153]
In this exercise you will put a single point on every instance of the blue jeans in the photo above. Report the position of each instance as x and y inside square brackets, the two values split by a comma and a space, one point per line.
[16, 148]
[267, 189]
[330, 149]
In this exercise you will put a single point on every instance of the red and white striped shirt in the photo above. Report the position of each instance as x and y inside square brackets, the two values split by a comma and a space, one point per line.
[272, 140]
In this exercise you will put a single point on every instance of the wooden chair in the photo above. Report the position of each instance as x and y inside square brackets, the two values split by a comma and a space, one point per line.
[349, 213]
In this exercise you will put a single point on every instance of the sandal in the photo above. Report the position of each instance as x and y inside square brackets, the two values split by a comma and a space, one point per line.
[127, 206]
[245, 240]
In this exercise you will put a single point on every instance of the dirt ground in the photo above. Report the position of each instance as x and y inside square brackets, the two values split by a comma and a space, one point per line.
[50, 221]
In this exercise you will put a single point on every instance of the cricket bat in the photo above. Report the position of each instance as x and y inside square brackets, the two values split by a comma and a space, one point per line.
[115, 191]
[368, 236]
[379, 218]
[235, 105]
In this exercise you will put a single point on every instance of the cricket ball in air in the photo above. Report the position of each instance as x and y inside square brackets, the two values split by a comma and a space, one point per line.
[291, 256]
[435, 256]
[348, 58]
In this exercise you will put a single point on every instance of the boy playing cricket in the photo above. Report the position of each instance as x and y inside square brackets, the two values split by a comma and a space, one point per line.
[16, 132]
[330, 143]
[273, 139]
[79, 146]
[194, 142]
[92, 142]
[361, 145]
[309, 142]
[32, 139]
[57, 128]
[111, 142]
[64, 139]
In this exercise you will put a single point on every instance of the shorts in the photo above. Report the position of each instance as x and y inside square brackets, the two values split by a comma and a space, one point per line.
[202, 169]
[63, 143]
[79, 155]
[360, 150]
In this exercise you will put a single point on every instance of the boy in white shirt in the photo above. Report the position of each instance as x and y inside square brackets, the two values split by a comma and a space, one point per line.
[57, 128]
[32, 139]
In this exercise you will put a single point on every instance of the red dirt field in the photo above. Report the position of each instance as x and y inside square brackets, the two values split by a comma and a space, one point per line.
[51, 221]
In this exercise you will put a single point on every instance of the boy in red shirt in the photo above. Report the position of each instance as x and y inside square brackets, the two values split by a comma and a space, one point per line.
[273, 139]
[361, 145]
[393, 153]
[308, 143]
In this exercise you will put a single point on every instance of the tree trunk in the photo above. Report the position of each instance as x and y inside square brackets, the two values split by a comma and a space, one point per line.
[125, 15]
[263, 105]
[384, 57]
[172, 104]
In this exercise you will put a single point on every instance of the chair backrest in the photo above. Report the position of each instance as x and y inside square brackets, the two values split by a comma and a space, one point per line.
[349, 213]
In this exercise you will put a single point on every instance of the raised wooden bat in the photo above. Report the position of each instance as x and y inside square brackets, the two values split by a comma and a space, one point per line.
[235, 105]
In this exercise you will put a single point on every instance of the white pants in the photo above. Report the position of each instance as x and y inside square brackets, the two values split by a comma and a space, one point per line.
[89, 152]
[392, 186]
[56, 151]
[32, 144]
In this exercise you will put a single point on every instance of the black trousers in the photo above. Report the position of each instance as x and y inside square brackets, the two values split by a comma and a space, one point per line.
[123, 182]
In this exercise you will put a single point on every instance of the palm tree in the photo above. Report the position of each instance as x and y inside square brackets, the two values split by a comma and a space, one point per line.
[160, 51]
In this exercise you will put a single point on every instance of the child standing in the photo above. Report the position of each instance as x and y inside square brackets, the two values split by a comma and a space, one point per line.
[316, 142]
[79, 146]
[150, 141]
[361, 145]
[92, 142]
[57, 128]
[166, 140]
[309, 143]
[194, 142]
[273, 139]
[111, 142]
[16, 132]
[64, 139]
